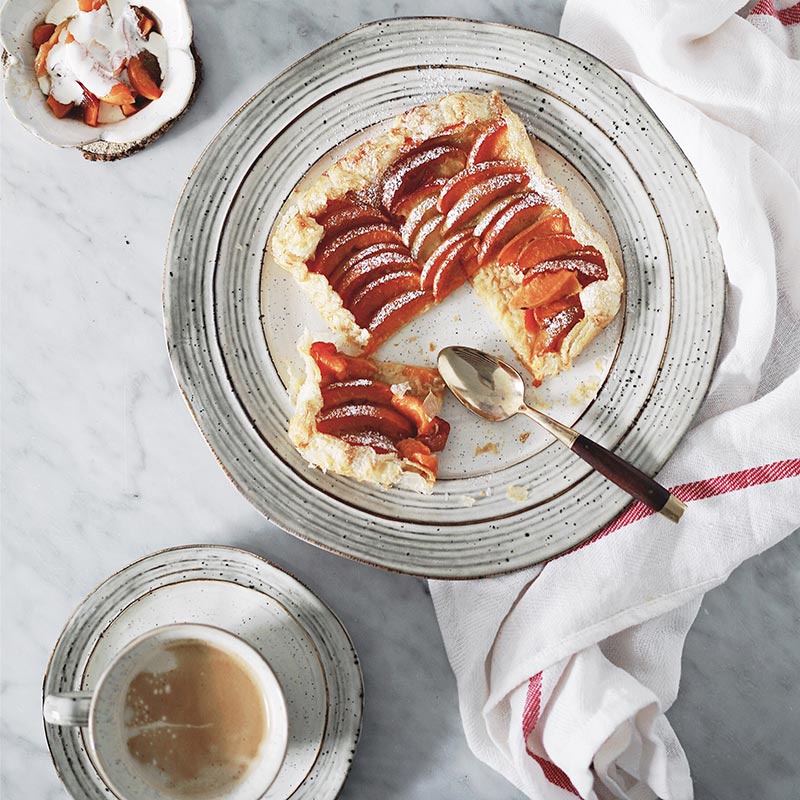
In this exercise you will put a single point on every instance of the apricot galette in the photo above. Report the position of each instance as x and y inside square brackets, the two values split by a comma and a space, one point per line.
[451, 193]
[369, 420]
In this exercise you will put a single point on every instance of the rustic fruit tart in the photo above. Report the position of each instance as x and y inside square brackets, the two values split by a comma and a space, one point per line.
[370, 420]
[451, 193]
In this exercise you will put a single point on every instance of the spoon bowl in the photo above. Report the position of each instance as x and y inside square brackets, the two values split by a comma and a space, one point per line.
[494, 390]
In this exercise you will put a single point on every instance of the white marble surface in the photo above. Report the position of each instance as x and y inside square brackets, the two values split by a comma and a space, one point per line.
[102, 462]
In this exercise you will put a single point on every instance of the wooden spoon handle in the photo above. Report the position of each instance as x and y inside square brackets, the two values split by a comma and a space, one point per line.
[627, 477]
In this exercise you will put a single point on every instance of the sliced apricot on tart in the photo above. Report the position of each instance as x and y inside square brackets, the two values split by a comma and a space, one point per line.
[489, 144]
[461, 183]
[361, 390]
[514, 218]
[419, 166]
[396, 313]
[380, 291]
[350, 241]
[360, 417]
[367, 270]
[545, 287]
[337, 366]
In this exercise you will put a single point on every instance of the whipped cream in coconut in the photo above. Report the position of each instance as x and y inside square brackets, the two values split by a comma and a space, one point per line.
[102, 41]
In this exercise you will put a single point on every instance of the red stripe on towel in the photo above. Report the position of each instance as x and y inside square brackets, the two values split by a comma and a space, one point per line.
[786, 16]
[530, 716]
[702, 490]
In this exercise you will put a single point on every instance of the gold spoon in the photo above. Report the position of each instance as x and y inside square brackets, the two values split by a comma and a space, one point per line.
[495, 391]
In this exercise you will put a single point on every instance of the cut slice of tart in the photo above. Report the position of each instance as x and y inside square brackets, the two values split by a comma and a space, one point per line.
[371, 420]
[451, 193]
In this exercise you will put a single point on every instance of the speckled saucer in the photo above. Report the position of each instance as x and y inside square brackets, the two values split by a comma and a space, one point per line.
[503, 501]
[302, 640]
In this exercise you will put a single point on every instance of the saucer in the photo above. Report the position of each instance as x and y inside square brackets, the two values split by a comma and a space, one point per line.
[302, 640]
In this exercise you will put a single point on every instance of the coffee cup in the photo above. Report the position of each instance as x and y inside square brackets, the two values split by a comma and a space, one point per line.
[186, 711]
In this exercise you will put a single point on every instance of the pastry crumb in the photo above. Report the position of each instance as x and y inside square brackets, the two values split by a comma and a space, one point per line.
[466, 500]
[600, 364]
[584, 391]
[517, 493]
[489, 447]
[432, 346]
[524, 436]
[457, 318]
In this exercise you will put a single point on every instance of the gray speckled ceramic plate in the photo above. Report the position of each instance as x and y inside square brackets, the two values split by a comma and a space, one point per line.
[233, 318]
[304, 643]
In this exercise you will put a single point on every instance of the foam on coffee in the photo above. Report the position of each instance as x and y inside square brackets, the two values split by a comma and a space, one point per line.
[195, 719]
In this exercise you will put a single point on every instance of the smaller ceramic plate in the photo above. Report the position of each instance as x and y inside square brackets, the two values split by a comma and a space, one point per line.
[302, 640]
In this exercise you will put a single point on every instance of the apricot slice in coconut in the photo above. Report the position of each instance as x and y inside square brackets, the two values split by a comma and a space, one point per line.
[380, 291]
[362, 390]
[129, 111]
[489, 144]
[551, 223]
[146, 22]
[545, 287]
[141, 79]
[350, 241]
[412, 169]
[514, 218]
[42, 33]
[334, 365]
[59, 109]
[371, 269]
[90, 5]
[377, 441]
[360, 417]
[120, 95]
[91, 108]
[476, 199]
[465, 180]
[40, 62]
[397, 312]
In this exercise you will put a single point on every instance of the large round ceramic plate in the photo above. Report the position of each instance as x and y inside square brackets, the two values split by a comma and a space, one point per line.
[504, 502]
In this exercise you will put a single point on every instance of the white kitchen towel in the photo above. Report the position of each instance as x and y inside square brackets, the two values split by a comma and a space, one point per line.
[564, 671]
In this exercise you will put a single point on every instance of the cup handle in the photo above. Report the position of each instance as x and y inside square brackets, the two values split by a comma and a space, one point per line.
[68, 708]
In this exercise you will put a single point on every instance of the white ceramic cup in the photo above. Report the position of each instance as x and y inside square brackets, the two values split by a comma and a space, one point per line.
[102, 713]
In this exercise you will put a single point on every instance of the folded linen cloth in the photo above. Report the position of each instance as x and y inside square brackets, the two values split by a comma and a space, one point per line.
[564, 671]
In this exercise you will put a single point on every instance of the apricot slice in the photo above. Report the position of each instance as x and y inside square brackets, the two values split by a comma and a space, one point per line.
[59, 109]
[370, 269]
[351, 216]
[453, 271]
[489, 144]
[551, 223]
[91, 108]
[480, 196]
[465, 180]
[412, 169]
[542, 249]
[545, 287]
[129, 111]
[146, 22]
[436, 437]
[493, 212]
[42, 33]
[435, 259]
[397, 312]
[383, 252]
[555, 321]
[412, 408]
[588, 272]
[509, 223]
[120, 95]
[334, 365]
[362, 390]
[142, 81]
[411, 200]
[419, 453]
[90, 5]
[421, 213]
[40, 62]
[377, 441]
[427, 238]
[380, 291]
[360, 417]
[343, 246]
[589, 261]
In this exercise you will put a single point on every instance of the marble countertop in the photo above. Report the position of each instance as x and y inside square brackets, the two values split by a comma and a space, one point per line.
[102, 463]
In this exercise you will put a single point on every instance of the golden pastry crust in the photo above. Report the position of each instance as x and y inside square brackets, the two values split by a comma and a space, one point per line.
[296, 235]
[330, 453]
